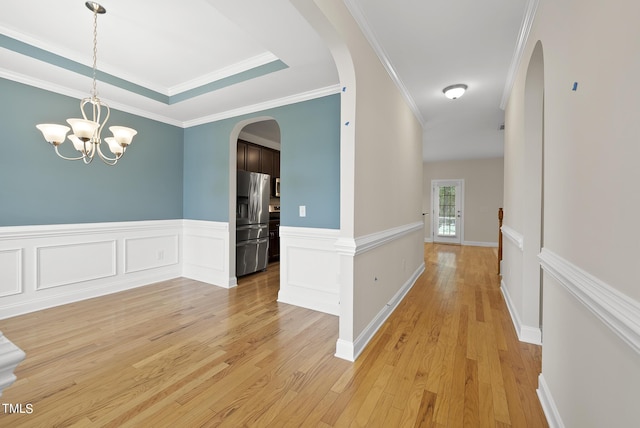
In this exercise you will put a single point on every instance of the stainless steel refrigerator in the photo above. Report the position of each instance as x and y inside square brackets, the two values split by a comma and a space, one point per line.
[252, 222]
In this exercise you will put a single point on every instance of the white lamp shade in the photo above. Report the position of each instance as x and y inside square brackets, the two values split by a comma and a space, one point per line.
[115, 148]
[53, 133]
[122, 134]
[83, 129]
[78, 144]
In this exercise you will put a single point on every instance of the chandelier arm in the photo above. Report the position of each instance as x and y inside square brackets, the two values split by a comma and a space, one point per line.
[90, 153]
[106, 118]
[106, 159]
[68, 158]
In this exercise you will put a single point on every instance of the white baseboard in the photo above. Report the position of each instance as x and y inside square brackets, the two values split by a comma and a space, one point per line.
[525, 333]
[46, 266]
[469, 243]
[345, 350]
[480, 244]
[350, 352]
[548, 404]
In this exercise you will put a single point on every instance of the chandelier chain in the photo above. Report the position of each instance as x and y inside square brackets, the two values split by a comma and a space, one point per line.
[94, 90]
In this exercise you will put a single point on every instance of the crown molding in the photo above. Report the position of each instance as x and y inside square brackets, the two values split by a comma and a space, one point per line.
[63, 90]
[292, 99]
[231, 70]
[362, 22]
[523, 36]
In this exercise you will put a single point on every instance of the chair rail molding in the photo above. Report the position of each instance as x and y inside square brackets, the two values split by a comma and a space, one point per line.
[513, 236]
[616, 310]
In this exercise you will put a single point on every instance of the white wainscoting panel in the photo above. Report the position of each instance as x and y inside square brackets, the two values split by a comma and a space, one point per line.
[151, 252]
[10, 272]
[59, 265]
[309, 267]
[51, 265]
[205, 249]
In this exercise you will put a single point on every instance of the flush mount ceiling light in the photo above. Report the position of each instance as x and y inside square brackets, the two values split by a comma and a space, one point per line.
[454, 91]
[86, 133]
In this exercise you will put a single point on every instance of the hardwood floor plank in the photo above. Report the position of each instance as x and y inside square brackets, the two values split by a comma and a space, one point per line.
[471, 395]
[425, 413]
[184, 353]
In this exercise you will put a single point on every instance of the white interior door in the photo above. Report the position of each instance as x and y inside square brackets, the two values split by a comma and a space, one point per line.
[447, 219]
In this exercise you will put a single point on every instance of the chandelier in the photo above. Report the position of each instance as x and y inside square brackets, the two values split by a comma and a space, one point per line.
[86, 132]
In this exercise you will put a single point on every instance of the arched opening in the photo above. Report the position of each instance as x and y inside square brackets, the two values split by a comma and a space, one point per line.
[533, 228]
[254, 147]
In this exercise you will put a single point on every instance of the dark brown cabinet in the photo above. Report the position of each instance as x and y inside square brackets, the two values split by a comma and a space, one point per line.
[274, 240]
[242, 155]
[254, 158]
[266, 162]
[276, 165]
[254, 155]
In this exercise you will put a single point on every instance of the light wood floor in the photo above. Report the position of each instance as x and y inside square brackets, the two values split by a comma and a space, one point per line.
[186, 354]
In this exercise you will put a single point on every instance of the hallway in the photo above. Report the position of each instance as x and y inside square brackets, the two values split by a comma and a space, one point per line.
[183, 353]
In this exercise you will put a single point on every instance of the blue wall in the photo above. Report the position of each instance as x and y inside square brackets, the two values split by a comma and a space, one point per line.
[309, 164]
[168, 172]
[37, 187]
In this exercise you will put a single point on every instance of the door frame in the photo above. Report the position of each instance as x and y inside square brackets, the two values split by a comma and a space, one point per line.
[459, 182]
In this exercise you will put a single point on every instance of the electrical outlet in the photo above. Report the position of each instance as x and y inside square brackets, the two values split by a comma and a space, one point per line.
[303, 210]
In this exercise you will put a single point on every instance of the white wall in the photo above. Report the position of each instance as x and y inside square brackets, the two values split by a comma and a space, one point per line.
[483, 195]
[381, 154]
[591, 299]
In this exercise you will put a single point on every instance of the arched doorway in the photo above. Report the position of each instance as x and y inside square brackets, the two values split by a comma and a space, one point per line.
[533, 228]
[259, 133]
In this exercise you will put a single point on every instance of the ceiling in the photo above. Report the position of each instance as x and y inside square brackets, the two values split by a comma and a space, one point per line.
[196, 61]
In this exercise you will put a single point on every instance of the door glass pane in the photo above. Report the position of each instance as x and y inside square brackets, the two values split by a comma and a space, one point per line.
[447, 211]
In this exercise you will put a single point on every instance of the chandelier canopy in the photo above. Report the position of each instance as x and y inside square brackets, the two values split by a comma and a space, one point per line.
[86, 137]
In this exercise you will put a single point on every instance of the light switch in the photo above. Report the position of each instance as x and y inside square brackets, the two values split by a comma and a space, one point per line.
[303, 210]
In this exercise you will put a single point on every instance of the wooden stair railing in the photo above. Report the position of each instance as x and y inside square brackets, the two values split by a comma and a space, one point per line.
[500, 216]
